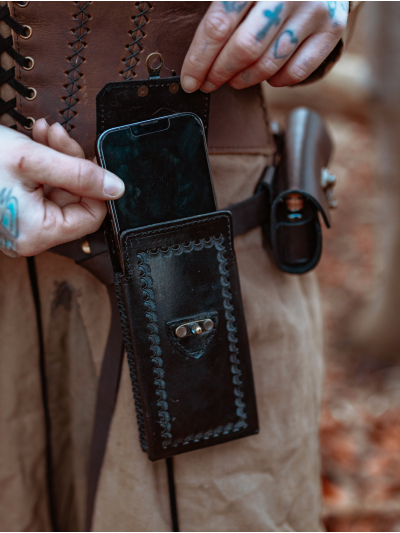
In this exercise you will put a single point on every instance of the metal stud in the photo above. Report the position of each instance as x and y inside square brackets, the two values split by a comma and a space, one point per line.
[181, 332]
[143, 91]
[174, 88]
[86, 247]
[208, 324]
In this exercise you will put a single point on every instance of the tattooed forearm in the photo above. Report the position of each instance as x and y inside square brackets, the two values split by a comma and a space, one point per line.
[8, 221]
[285, 44]
[273, 20]
[234, 7]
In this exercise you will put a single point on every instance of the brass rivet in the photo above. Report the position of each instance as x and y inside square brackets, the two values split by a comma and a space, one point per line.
[22, 4]
[181, 332]
[86, 247]
[29, 33]
[34, 91]
[174, 88]
[196, 328]
[208, 324]
[143, 91]
[32, 63]
[28, 128]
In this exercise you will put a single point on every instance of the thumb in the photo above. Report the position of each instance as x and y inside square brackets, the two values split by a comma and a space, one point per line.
[44, 166]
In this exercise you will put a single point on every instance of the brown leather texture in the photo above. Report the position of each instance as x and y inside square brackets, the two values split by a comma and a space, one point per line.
[92, 41]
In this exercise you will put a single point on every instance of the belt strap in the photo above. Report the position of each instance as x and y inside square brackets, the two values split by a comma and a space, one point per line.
[106, 398]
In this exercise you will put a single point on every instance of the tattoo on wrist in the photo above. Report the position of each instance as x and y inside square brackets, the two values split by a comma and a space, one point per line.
[285, 44]
[273, 20]
[234, 7]
[8, 220]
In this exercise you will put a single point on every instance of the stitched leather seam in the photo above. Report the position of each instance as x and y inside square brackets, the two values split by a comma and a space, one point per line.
[148, 295]
[180, 225]
[76, 60]
[132, 365]
[155, 350]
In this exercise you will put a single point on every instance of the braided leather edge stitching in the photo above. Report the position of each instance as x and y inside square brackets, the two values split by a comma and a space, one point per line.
[132, 365]
[149, 302]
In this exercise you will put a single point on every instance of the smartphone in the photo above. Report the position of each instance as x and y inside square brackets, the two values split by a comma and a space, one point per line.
[165, 167]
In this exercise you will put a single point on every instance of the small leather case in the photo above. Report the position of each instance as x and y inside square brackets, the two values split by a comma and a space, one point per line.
[193, 391]
[305, 149]
[180, 304]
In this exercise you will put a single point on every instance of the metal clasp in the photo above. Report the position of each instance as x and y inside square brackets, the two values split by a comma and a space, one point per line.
[328, 182]
[194, 328]
[154, 72]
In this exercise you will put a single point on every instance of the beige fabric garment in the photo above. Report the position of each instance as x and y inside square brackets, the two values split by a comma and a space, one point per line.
[264, 482]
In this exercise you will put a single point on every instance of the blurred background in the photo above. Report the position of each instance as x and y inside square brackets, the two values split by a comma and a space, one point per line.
[360, 425]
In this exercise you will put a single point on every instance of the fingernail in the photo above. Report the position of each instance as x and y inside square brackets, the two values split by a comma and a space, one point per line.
[207, 87]
[112, 185]
[189, 84]
[44, 120]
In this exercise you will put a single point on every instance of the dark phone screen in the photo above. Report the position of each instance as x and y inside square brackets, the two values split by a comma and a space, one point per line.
[165, 168]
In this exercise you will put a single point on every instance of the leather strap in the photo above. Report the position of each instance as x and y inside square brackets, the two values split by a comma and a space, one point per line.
[250, 213]
[105, 403]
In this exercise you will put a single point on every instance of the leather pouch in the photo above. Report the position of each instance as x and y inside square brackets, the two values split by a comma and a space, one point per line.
[305, 149]
[195, 389]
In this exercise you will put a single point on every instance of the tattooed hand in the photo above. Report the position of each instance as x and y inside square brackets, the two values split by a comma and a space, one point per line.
[244, 43]
[49, 193]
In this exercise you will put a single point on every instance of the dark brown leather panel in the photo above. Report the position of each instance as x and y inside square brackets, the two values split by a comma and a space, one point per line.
[237, 118]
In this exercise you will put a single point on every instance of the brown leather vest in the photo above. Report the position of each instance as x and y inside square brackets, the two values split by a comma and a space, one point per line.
[77, 47]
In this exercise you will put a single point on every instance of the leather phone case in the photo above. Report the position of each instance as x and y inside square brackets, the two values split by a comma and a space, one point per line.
[197, 390]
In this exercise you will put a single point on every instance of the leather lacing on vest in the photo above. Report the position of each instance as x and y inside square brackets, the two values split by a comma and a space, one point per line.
[137, 34]
[8, 76]
[76, 60]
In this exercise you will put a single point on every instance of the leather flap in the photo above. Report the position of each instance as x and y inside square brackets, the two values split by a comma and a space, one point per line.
[307, 150]
[124, 103]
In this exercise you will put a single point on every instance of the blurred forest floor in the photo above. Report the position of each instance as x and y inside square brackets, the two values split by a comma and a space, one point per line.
[360, 424]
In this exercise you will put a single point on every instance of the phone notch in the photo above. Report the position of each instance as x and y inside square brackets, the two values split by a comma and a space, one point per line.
[150, 126]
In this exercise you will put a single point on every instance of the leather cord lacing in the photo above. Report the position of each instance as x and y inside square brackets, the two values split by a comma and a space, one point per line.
[8, 76]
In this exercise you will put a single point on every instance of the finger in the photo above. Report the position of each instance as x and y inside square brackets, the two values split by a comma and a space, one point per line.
[248, 43]
[43, 165]
[283, 47]
[60, 140]
[64, 225]
[213, 32]
[39, 131]
[305, 61]
[62, 198]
